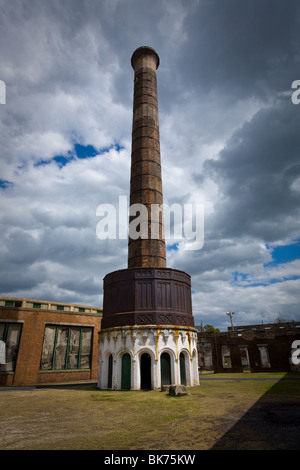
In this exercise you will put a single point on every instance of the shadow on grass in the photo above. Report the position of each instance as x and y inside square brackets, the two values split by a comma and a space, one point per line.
[73, 385]
[272, 423]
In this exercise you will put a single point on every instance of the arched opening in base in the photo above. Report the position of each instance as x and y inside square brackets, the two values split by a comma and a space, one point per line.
[182, 369]
[126, 372]
[110, 371]
[146, 371]
[165, 369]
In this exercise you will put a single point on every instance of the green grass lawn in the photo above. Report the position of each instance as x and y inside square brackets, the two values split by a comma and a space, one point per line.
[83, 417]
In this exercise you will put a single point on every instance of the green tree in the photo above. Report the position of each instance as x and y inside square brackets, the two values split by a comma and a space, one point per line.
[211, 329]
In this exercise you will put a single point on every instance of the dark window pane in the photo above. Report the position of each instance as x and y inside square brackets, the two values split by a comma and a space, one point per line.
[2, 328]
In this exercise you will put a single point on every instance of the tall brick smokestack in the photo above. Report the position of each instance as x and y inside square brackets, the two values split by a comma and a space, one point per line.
[147, 336]
[146, 184]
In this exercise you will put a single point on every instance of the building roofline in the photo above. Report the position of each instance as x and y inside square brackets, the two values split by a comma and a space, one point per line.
[48, 302]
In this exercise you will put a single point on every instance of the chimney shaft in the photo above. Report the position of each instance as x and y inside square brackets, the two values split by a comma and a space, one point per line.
[146, 183]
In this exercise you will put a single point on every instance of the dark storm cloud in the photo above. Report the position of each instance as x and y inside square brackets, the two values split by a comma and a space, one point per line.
[256, 172]
[242, 48]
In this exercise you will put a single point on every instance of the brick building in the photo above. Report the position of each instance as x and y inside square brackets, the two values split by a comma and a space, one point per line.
[257, 348]
[46, 342]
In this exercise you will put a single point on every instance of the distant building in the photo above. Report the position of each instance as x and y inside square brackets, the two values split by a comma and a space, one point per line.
[257, 348]
[47, 342]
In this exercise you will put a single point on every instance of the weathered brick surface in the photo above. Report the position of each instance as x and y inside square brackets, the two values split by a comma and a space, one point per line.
[146, 183]
[27, 370]
[147, 167]
[277, 338]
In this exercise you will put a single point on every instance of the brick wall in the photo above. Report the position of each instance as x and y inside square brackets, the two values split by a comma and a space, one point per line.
[277, 340]
[27, 368]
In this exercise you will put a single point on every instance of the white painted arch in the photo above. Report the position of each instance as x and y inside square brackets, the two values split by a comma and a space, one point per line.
[153, 340]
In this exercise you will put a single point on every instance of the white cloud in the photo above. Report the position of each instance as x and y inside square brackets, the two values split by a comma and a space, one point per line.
[229, 139]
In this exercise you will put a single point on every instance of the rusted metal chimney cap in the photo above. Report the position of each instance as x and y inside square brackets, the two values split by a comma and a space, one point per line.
[146, 50]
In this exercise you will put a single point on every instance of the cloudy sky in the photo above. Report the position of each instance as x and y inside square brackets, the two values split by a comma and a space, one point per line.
[230, 140]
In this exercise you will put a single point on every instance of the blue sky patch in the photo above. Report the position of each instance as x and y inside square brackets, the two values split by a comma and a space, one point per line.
[88, 151]
[284, 253]
[79, 151]
[267, 283]
[85, 151]
[281, 254]
[237, 277]
[62, 160]
[173, 247]
[4, 184]
[242, 280]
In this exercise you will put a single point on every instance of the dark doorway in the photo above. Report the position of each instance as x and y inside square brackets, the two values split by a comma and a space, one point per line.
[126, 372]
[182, 369]
[165, 369]
[145, 371]
[110, 370]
